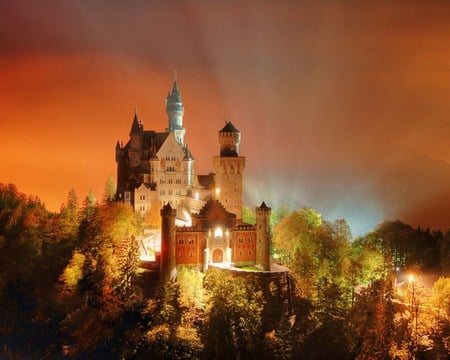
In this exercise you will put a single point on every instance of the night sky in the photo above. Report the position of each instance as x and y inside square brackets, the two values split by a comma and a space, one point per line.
[343, 106]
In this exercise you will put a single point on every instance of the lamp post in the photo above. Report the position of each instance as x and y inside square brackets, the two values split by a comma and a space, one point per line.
[414, 308]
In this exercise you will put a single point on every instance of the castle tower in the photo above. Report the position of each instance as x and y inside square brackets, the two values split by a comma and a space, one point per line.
[175, 111]
[168, 268]
[263, 236]
[135, 150]
[229, 168]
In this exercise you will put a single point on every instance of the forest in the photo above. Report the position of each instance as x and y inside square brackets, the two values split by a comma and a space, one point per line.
[71, 287]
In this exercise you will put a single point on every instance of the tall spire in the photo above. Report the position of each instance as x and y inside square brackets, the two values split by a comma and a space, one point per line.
[175, 111]
[135, 126]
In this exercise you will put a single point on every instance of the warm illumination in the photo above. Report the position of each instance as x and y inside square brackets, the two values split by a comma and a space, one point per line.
[217, 192]
[196, 195]
[218, 232]
[411, 279]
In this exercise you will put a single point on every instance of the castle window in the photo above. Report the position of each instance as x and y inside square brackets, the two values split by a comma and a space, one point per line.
[250, 239]
[142, 208]
[178, 181]
[190, 254]
[190, 241]
[250, 252]
[170, 192]
[162, 181]
[241, 239]
[181, 254]
[240, 252]
[170, 181]
[142, 197]
[181, 241]
[162, 192]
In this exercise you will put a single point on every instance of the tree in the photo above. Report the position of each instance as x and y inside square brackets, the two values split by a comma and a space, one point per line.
[105, 300]
[248, 215]
[233, 326]
[278, 214]
[439, 304]
[445, 253]
[109, 194]
[294, 232]
[371, 331]
[69, 219]
[312, 248]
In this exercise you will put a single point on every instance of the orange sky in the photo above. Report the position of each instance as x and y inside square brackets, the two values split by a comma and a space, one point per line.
[344, 108]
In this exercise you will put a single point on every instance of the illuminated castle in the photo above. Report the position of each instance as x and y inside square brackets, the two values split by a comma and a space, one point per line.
[201, 215]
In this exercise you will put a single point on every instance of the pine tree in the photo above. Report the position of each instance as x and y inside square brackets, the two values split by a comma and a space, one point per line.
[109, 194]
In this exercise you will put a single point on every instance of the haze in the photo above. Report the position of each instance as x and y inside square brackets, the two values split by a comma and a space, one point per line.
[343, 107]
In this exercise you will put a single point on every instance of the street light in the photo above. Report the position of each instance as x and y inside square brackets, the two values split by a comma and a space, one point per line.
[414, 305]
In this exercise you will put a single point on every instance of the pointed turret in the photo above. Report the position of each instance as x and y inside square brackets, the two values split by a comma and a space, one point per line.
[136, 134]
[135, 126]
[175, 111]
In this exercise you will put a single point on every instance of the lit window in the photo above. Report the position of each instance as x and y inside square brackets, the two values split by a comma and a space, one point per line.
[191, 241]
[218, 232]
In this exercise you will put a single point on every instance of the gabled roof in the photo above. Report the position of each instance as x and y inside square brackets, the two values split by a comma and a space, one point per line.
[214, 205]
[152, 141]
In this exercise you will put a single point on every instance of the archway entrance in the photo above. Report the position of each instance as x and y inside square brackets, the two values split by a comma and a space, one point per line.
[217, 256]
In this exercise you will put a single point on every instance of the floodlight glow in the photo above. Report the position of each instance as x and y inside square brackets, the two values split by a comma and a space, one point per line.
[218, 232]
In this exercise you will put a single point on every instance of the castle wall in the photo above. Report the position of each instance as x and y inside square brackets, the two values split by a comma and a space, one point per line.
[244, 248]
[189, 248]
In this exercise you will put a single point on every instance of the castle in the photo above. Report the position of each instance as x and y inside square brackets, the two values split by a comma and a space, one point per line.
[201, 215]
